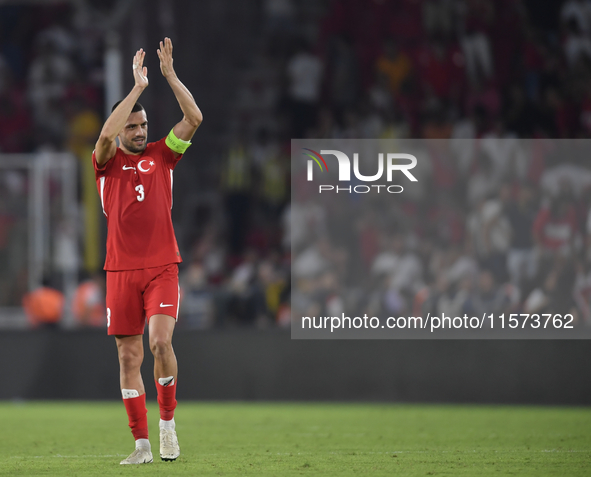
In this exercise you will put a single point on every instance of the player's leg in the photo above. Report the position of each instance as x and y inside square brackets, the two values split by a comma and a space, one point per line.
[126, 321]
[130, 350]
[161, 328]
[161, 300]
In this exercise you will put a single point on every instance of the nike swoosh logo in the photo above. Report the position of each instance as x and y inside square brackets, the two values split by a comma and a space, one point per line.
[162, 305]
[125, 168]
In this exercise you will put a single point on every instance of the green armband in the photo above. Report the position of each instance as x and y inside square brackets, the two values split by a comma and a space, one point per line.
[175, 144]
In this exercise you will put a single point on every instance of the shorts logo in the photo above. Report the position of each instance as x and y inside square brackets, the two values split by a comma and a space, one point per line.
[146, 165]
[162, 305]
[108, 317]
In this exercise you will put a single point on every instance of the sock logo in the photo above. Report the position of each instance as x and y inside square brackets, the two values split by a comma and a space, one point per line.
[168, 381]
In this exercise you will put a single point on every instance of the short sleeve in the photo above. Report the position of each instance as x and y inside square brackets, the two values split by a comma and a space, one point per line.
[100, 171]
[168, 155]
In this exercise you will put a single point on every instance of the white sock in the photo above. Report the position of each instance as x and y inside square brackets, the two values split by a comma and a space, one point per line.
[167, 424]
[143, 443]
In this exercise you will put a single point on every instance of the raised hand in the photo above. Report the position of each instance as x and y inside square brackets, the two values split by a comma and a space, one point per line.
[140, 72]
[165, 55]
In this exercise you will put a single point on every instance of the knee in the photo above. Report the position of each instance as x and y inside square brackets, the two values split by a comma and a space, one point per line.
[160, 346]
[130, 358]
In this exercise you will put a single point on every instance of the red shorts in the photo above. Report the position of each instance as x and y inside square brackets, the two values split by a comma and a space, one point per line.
[134, 295]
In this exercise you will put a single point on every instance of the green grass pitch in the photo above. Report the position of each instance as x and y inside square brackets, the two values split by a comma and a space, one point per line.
[271, 439]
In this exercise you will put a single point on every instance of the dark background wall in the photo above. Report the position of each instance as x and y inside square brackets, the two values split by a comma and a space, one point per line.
[255, 365]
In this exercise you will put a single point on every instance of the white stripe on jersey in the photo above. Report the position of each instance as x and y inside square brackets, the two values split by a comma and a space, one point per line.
[171, 189]
[102, 179]
[178, 303]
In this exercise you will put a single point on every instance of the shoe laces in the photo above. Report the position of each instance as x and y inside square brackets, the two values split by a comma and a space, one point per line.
[168, 438]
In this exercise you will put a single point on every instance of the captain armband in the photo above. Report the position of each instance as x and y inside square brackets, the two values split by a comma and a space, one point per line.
[175, 144]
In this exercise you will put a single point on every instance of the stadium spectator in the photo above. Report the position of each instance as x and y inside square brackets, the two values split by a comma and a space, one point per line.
[15, 123]
[318, 258]
[387, 259]
[553, 293]
[49, 74]
[439, 17]
[271, 285]
[343, 73]
[44, 306]
[489, 298]
[555, 227]
[578, 12]
[521, 257]
[535, 55]
[577, 46]
[566, 177]
[197, 298]
[210, 252]
[82, 128]
[280, 17]
[440, 297]
[88, 304]
[237, 189]
[475, 41]
[246, 300]
[394, 65]
[582, 292]
[483, 94]
[304, 72]
[303, 221]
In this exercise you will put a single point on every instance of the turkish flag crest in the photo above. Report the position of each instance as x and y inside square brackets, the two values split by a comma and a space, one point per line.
[147, 165]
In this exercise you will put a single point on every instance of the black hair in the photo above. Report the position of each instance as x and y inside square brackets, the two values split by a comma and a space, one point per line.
[136, 107]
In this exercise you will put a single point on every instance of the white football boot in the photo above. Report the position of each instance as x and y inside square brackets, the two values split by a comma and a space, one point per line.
[169, 444]
[141, 455]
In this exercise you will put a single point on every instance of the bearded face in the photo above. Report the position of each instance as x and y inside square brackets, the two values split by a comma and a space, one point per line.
[134, 135]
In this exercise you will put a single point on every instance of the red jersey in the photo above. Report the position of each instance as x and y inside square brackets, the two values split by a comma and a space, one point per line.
[136, 196]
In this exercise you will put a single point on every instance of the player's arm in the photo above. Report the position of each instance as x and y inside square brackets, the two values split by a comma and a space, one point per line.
[192, 116]
[106, 147]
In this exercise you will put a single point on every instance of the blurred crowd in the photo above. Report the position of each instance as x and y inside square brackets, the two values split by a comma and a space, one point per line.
[50, 79]
[493, 229]
[51, 93]
[498, 236]
[438, 68]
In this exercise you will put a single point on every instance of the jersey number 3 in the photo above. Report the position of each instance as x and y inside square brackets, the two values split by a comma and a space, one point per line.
[141, 195]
